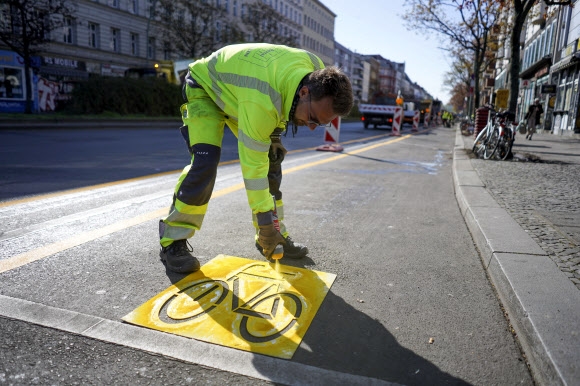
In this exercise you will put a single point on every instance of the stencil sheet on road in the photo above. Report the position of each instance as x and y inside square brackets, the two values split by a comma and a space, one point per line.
[240, 303]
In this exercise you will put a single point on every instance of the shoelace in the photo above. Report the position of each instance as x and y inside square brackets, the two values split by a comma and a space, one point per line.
[289, 242]
[181, 246]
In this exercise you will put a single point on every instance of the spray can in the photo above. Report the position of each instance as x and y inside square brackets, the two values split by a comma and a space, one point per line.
[279, 250]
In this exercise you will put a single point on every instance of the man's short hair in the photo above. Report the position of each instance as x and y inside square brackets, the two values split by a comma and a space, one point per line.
[331, 82]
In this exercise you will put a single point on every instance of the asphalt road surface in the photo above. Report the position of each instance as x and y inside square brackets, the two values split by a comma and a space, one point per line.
[411, 303]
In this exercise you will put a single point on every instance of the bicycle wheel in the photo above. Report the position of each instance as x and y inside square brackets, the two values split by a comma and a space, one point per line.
[492, 144]
[193, 301]
[479, 142]
[270, 317]
[505, 146]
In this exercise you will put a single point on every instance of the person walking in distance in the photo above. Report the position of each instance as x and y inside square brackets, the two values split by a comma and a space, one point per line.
[255, 89]
[533, 117]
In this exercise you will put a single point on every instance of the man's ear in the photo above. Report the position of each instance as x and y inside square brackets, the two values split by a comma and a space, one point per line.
[303, 92]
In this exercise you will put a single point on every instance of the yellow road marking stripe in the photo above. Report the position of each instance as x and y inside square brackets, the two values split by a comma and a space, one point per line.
[84, 237]
[113, 183]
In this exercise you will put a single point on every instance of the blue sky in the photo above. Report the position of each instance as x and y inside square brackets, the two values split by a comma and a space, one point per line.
[376, 27]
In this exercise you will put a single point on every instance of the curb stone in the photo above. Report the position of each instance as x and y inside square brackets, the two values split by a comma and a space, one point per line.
[543, 305]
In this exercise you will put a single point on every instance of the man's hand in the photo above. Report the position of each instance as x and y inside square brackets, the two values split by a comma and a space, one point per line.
[277, 150]
[269, 238]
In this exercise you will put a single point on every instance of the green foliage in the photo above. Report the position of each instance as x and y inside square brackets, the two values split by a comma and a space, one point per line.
[104, 95]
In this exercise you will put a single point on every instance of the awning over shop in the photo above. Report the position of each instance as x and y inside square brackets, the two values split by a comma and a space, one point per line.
[63, 71]
[529, 72]
[565, 63]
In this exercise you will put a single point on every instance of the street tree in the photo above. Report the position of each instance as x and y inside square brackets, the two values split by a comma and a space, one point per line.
[465, 24]
[457, 79]
[194, 29]
[265, 25]
[459, 95]
[26, 26]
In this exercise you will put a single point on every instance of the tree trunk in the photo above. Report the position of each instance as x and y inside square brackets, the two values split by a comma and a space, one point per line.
[476, 70]
[514, 73]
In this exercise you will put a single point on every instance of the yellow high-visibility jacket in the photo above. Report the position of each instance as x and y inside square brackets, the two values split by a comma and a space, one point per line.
[254, 84]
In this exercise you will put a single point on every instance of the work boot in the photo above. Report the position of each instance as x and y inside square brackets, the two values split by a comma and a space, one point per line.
[292, 250]
[178, 258]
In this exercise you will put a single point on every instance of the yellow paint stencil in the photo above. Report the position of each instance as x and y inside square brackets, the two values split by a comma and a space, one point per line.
[239, 303]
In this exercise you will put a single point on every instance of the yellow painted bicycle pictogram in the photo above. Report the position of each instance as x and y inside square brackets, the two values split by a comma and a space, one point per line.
[267, 309]
[239, 303]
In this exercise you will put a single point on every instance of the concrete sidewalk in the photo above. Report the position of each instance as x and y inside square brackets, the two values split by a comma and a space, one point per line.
[524, 217]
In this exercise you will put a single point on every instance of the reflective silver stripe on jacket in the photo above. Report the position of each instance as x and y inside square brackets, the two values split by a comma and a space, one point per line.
[314, 60]
[251, 143]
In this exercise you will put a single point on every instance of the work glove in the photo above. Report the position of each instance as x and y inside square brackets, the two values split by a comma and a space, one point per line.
[277, 150]
[269, 238]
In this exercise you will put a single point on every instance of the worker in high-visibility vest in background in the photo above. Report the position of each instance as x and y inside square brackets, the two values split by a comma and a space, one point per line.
[256, 89]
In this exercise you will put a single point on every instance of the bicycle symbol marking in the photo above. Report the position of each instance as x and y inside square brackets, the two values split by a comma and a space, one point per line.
[268, 312]
[194, 301]
[239, 303]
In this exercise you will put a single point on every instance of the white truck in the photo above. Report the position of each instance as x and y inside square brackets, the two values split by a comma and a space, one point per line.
[382, 115]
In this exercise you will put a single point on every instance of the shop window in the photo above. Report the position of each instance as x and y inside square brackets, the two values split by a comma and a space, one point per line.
[568, 98]
[11, 83]
[560, 94]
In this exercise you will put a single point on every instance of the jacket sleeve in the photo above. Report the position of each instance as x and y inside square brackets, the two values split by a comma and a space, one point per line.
[255, 124]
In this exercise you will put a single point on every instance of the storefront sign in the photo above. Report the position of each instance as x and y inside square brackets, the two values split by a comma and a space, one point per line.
[548, 89]
[501, 99]
[63, 62]
[570, 49]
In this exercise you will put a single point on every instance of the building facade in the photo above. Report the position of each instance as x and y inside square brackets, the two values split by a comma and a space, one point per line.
[564, 74]
[549, 68]
[113, 37]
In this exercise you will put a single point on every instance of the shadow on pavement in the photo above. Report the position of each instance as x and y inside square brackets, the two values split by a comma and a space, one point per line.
[346, 340]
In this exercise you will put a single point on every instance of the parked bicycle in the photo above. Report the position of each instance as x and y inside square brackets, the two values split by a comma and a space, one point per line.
[497, 137]
[482, 142]
[466, 126]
